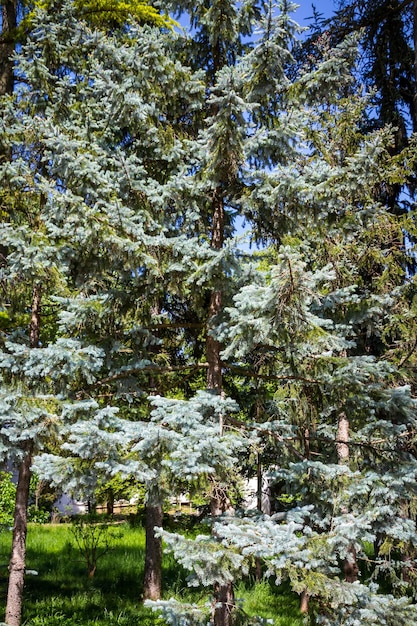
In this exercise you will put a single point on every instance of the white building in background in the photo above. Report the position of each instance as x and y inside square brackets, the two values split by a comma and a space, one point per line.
[250, 501]
[65, 505]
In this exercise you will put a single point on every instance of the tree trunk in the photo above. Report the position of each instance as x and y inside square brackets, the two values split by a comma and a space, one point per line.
[223, 595]
[258, 564]
[225, 599]
[415, 64]
[223, 604]
[214, 371]
[350, 566]
[18, 556]
[152, 584]
[35, 317]
[110, 502]
[152, 578]
[304, 597]
[342, 444]
[7, 46]
[304, 602]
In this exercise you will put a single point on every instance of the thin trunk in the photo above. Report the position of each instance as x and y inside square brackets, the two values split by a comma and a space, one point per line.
[350, 566]
[35, 317]
[259, 480]
[304, 597]
[342, 444]
[223, 606]
[259, 484]
[152, 578]
[7, 44]
[91, 507]
[258, 565]
[223, 595]
[152, 584]
[18, 553]
[110, 502]
[415, 64]
[214, 372]
[304, 602]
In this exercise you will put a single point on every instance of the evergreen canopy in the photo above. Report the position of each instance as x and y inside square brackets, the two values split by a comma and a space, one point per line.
[129, 152]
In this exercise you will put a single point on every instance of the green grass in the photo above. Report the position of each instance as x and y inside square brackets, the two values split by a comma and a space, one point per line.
[62, 594]
[271, 602]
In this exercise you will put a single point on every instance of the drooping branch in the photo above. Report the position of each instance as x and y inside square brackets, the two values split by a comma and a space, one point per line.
[167, 369]
[247, 373]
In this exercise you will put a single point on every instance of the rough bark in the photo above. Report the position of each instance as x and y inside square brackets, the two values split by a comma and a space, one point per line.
[35, 317]
[152, 584]
[9, 21]
[350, 566]
[7, 44]
[342, 444]
[258, 564]
[414, 108]
[304, 602]
[223, 595]
[110, 502]
[223, 605]
[152, 578]
[18, 552]
[214, 370]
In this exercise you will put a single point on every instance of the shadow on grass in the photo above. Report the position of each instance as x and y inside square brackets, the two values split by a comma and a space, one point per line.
[61, 594]
[269, 601]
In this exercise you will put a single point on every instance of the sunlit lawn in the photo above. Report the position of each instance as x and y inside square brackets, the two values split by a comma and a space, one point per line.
[61, 594]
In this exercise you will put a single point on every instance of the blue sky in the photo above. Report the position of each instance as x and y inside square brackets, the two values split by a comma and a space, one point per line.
[301, 15]
[304, 11]
[326, 7]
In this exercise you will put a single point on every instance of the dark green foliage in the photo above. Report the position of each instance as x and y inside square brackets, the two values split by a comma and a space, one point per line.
[7, 499]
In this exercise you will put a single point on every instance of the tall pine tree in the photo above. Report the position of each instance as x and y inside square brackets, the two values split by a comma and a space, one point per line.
[92, 130]
[134, 152]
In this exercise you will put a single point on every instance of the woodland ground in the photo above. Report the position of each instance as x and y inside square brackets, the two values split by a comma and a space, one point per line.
[61, 594]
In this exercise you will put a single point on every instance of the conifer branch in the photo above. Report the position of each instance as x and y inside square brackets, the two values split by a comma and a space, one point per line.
[175, 325]
[407, 356]
[251, 374]
[167, 369]
[239, 424]
[149, 368]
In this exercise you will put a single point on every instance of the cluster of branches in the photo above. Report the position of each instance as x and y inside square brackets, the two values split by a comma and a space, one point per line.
[139, 341]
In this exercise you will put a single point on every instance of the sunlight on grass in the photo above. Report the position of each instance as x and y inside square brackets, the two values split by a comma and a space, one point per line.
[62, 594]
[268, 601]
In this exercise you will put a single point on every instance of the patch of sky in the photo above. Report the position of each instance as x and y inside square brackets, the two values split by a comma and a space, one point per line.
[306, 15]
